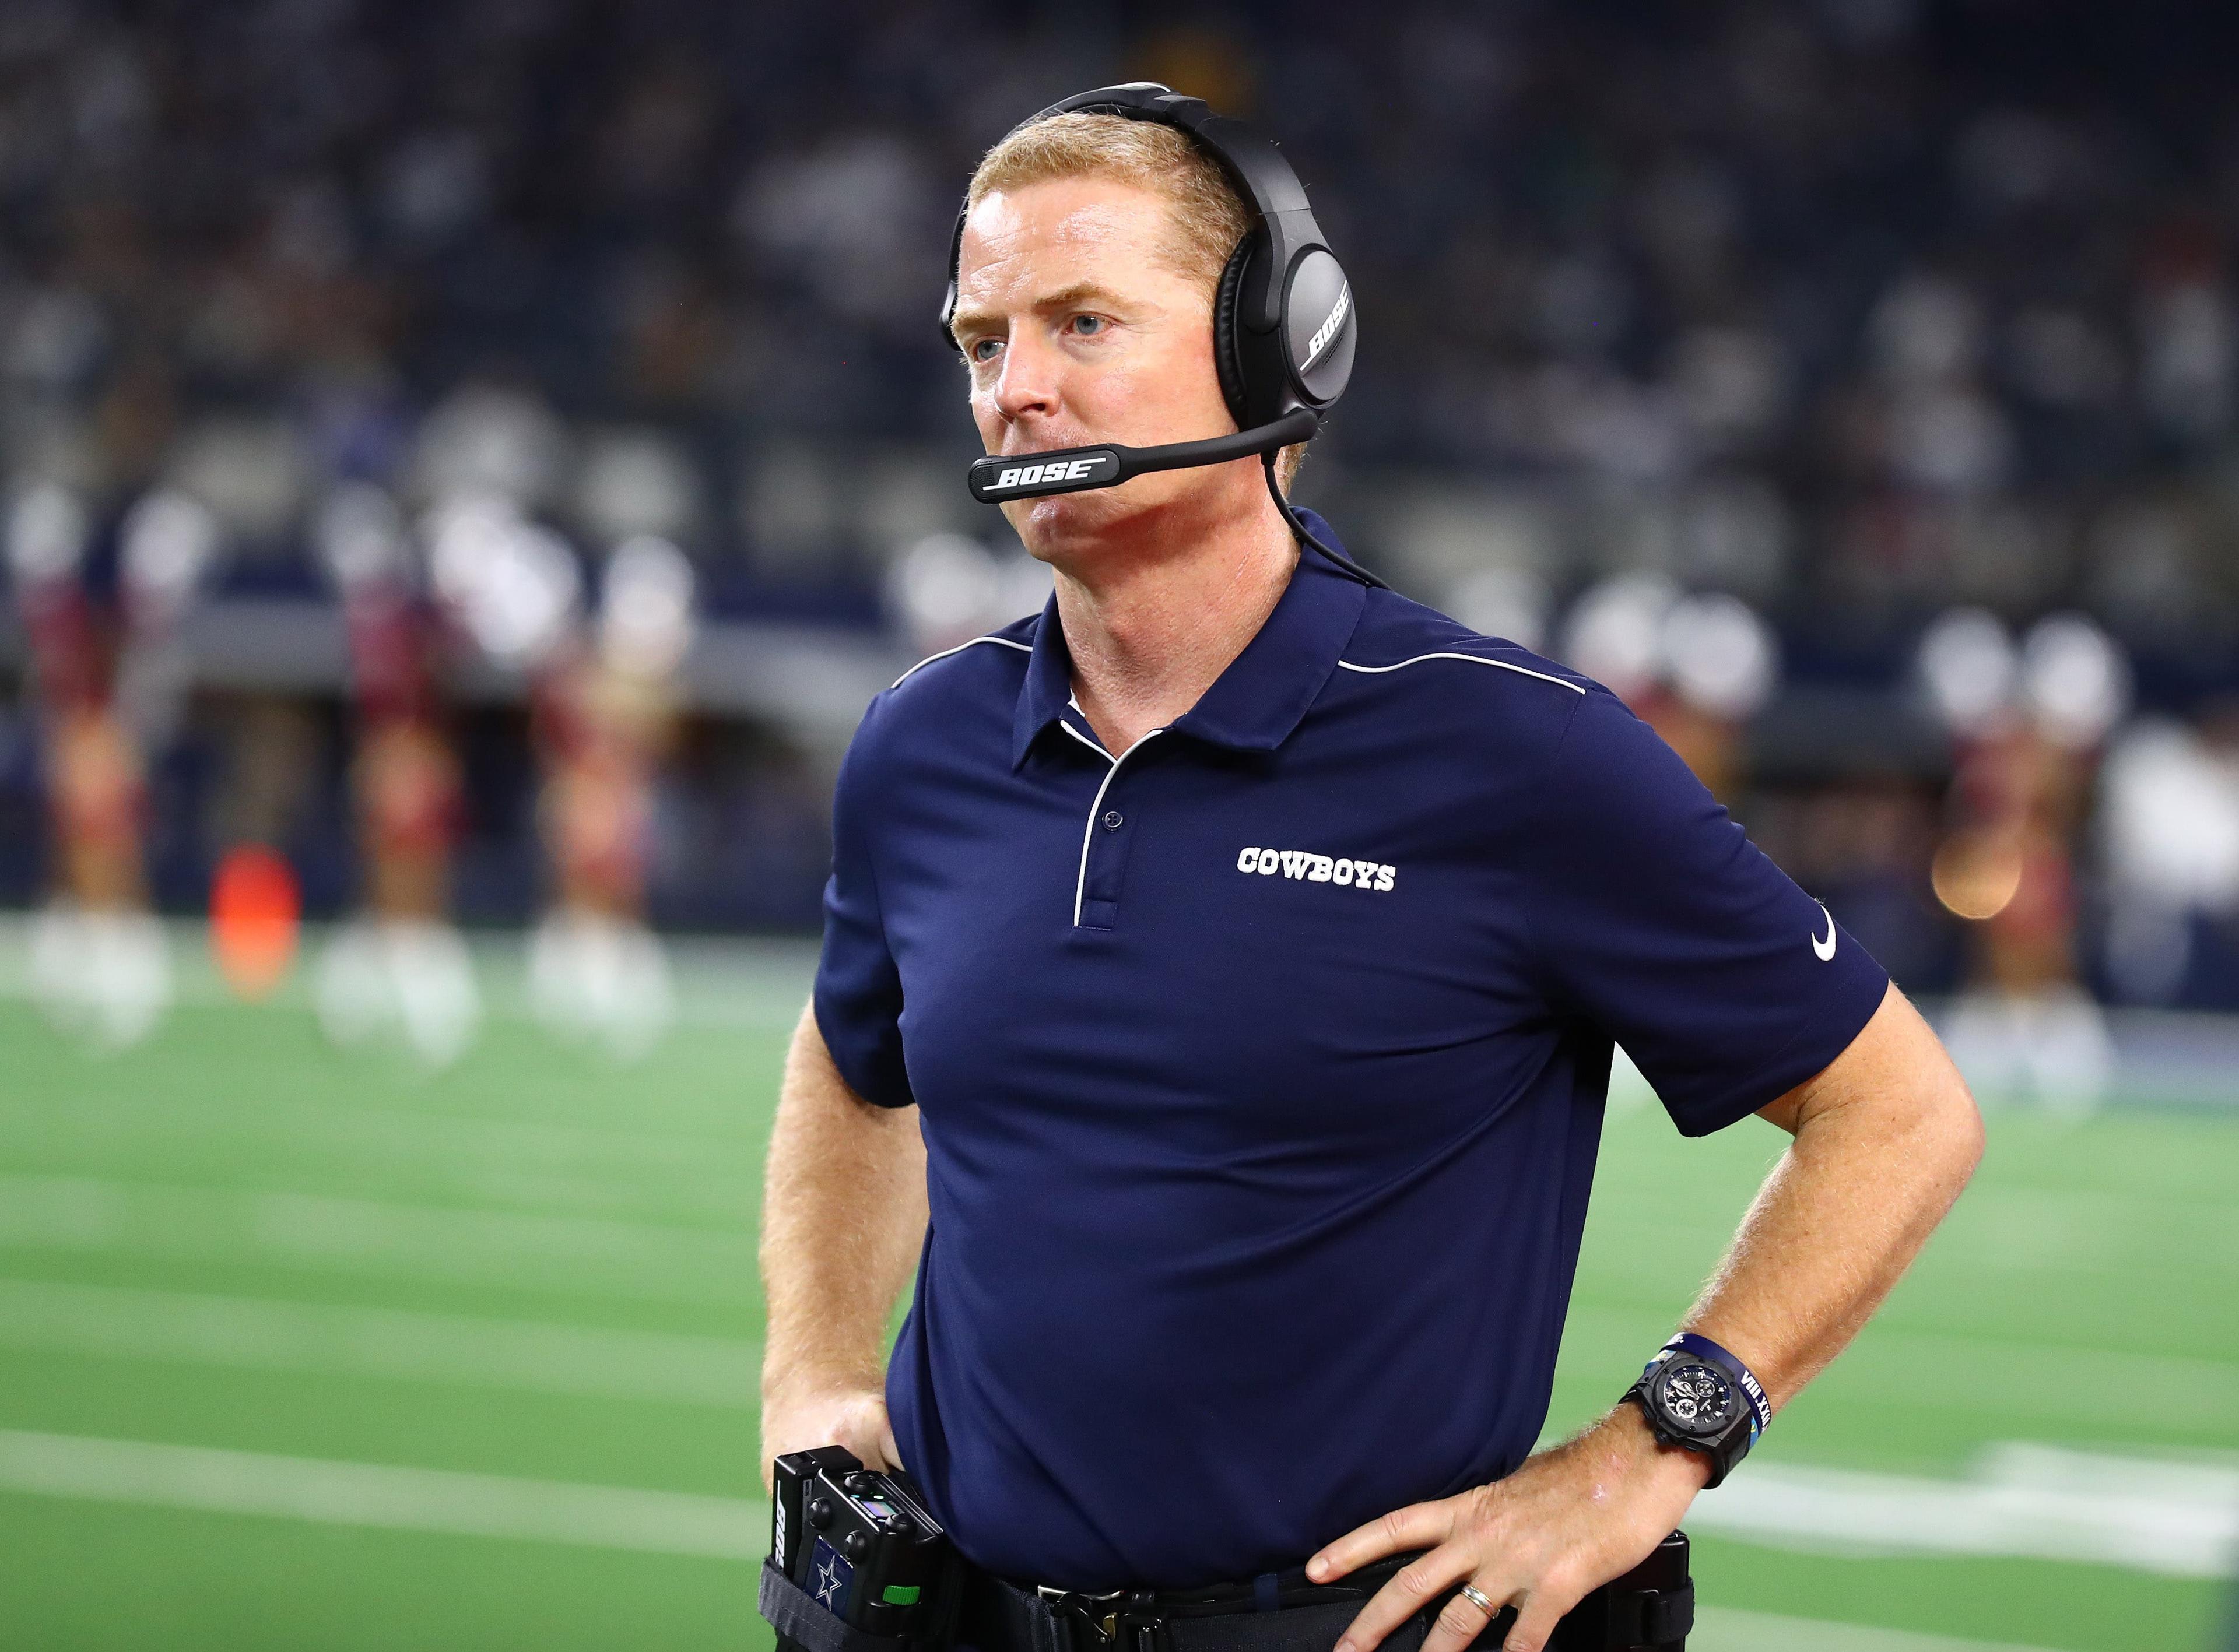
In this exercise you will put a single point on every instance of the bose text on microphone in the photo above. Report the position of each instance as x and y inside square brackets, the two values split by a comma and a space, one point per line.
[1070, 470]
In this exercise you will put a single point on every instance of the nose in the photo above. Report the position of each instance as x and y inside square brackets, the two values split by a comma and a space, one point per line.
[1026, 386]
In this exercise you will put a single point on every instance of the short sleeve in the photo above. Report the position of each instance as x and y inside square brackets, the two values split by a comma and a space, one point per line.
[1658, 920]
[858, 990]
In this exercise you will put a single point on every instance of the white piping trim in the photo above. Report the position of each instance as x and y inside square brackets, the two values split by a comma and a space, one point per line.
[1083, 739]
[1080, 883]
[1475, 660]
[1023, 647]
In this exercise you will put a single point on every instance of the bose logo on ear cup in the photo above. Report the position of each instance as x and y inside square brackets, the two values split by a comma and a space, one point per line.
[1327, 331]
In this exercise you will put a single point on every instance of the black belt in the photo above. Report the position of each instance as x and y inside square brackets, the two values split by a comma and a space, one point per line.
[1285, 1613]
[1003, 1617]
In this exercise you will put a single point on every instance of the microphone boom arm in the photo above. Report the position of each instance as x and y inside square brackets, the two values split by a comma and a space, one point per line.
[1107, 464]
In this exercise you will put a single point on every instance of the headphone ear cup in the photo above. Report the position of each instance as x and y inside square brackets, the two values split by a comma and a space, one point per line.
[1227, 349]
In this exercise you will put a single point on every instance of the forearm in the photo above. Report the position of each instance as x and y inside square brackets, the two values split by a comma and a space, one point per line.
[1879, 1155]
[843, 1216]
[1885, 1137]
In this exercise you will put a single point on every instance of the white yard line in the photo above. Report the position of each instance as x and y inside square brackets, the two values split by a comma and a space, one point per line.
[653, 1261]
[365, 1494]
[432, 1500]
[256, 1333]
[1894, 1363]
[572, 1168]
[143, 1122]
[2177, 1518]
[1725, 1629]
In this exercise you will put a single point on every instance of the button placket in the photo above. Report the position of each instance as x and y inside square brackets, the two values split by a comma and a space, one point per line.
[1104, 850]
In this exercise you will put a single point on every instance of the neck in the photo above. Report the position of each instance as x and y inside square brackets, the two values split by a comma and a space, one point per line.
[1157, 611]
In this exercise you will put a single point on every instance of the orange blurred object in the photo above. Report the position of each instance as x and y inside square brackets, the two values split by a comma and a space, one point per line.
[254, 907]
[1976, 874]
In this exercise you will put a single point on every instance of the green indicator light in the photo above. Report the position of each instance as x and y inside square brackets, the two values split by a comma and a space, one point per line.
[900, 1595]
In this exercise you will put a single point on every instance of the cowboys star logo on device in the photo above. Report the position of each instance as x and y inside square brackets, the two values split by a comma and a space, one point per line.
[832, 1577]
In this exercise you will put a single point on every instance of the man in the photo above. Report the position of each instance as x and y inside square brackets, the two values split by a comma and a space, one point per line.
[1252, 943]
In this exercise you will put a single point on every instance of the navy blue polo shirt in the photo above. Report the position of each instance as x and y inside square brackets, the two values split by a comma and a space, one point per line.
[1261, 1065]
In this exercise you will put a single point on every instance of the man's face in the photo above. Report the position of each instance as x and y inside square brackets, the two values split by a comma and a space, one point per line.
[1078, 330]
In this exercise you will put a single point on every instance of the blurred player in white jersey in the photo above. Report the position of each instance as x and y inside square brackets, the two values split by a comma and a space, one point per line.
[110, 676]
[402, 967]
[604, 715]
[602, 697]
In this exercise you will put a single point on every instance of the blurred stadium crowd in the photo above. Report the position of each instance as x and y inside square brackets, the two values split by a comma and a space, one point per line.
[489, 452]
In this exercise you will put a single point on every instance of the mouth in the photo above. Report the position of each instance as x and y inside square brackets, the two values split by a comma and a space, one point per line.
[1032, 447]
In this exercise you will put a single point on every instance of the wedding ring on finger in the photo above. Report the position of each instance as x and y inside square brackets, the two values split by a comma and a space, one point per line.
[1479, 1599]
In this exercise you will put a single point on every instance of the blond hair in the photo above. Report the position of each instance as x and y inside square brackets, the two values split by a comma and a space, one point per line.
[1209, 217]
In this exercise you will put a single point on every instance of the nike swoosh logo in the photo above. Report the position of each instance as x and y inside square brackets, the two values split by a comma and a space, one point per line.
[1825, 949]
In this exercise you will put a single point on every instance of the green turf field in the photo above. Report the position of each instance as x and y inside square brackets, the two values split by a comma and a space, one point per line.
[301, 1349]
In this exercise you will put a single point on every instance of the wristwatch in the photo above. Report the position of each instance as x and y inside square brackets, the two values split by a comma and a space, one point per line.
[1697, 1395]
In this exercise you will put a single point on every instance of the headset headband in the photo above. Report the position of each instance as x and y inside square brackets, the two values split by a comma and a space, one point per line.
[1253, 163]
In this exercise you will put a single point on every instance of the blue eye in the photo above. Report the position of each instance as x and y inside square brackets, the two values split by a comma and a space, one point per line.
[982, 350]
[1089, 325]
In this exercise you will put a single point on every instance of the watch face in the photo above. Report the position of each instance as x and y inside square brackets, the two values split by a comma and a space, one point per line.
[1696, 1397]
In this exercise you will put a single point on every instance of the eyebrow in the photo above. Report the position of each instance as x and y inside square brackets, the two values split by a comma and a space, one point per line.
[1081, 292]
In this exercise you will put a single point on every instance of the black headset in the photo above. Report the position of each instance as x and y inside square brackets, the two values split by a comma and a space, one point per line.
[1284, 327]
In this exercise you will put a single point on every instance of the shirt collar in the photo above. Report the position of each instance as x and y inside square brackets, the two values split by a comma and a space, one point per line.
[1257, 700]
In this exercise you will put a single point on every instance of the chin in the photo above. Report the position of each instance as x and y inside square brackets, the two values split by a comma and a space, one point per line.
[1049, 527]
[1063, 525]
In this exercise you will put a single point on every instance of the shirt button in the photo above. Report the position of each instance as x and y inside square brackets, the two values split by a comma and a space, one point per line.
[1112, 819]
